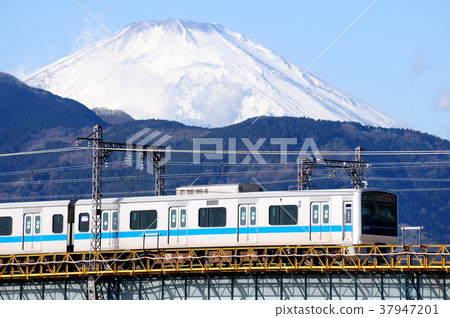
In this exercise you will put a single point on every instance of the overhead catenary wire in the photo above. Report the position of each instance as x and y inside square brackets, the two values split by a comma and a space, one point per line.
[292, 153]
[190, 174]
[241, 152]
[146, 176]
[151, 191]
[375, 166]
[213, 174]
[38, 152]
[287, 169]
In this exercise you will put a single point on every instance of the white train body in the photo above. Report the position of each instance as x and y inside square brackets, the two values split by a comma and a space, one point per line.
[219, 219]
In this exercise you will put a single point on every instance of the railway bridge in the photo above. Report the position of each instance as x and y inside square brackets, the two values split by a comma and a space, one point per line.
[274, 272]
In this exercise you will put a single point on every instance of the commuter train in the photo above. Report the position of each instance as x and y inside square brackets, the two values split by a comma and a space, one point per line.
[204, 216]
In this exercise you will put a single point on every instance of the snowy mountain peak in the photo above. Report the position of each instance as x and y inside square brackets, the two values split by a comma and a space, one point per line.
[197, 73]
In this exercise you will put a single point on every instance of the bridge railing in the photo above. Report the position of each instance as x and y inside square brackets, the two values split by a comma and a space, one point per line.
[232, 259]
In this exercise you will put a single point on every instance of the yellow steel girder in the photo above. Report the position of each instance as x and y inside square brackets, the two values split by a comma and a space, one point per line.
[227, 259]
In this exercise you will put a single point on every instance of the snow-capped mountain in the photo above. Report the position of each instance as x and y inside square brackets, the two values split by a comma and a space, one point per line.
[197, 73]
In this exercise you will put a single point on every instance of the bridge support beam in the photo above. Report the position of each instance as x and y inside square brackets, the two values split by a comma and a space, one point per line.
[274, 286]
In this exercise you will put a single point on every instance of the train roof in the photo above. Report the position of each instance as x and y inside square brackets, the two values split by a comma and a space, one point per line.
[35, 204]
[113, 202]
[241, 195]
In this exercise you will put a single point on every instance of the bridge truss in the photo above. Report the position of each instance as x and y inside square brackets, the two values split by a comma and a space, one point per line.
[283, 272]
[222, 260]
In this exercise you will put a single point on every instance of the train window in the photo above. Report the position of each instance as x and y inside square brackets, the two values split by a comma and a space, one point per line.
[243, 218]
[315, 214]
[379, 213]
[105, 221]
[37, 224]
[5, 225]
[115, 221]
[143, 220]
[183, 218]
[283, 214]
[212, 217]
[325, 214]
[253, 215]
[28, 224]
[173, 218]
[57, 223]
[83, 222]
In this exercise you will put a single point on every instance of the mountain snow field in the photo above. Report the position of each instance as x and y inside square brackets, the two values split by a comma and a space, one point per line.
[196, 73]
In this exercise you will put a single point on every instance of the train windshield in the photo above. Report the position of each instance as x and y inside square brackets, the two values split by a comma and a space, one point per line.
[379, 213]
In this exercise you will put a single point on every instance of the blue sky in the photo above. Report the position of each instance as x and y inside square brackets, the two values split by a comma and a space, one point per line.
[396, 57]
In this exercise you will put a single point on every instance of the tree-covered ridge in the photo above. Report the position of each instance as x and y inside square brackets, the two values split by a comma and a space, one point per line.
[27, 107]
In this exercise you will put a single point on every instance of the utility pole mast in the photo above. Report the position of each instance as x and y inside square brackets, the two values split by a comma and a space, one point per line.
[305, 168]
[354, 169]
[101, 150]
[98, 158]
[160, 170]
[359, 173]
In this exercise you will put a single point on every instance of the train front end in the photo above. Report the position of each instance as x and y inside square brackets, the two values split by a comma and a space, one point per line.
[378, 218]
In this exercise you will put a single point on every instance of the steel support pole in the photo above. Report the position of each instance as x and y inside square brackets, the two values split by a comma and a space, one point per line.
[160, 169]
[305, 170]
[97, 139]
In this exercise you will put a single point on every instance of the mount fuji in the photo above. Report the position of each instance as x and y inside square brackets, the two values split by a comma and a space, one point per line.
[196, 73]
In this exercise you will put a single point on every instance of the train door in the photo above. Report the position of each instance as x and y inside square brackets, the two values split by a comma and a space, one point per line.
[32, 232]
[320, 226]
[177, 229]
[110, 230]
[347, 222]
[247, 229]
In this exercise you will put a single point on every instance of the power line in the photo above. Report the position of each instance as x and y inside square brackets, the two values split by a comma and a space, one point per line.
[214, 174]
[130, 193]
[419, 189]
[409, 179]
[241, 152]
[214, 164]
[408, 165]
[297, 153]
[38, 152]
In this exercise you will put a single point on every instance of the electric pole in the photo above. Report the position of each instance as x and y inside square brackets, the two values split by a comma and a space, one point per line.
[354, 169]
[101, 150]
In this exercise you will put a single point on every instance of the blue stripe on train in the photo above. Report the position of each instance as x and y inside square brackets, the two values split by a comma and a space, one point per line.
[36, 238]
[10, 239]
[203, 231]
[225, 231]
[283, 229]
[133, 234]
[45, 238]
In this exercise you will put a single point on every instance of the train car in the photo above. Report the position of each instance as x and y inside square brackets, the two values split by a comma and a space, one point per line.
[204, 216]
[34, 227]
